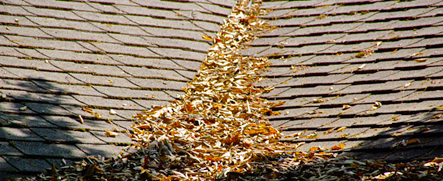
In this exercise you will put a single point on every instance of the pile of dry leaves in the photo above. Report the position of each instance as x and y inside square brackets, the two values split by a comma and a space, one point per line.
[218, 130]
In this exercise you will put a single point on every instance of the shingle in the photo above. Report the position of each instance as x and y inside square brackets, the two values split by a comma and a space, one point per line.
[107, 102]
[432, 41]
[102, 150]
[433, 12]
[15, 2]
[399, 44]
[27, 63]
[28, 164]
[216, 9]
[58, 88]
[292, 112]
[153, 73]
[67, 5]
[7, 149]
[208, 26]
[295, 21]
[268, 41]
[23, 31]
[131, 93]
[179, 53]
[104, 18]
[66, 34]
[53, 13]
[13, 10]
[58, 135]
[20, 85]
[189, 65]
[31, 53]
[208, 17]
[26, 96]
[123, 29]
[279, 13]
[24, 121]
[173, 33]
[324, 20]
[421, 22]
[315, 80]
[78, 56]
[289, 61]
[150, 103]
[126, 50]
[378, 26]
[410, 13]
[408, 107]
[226, 3]
[327, 59]
[411, 74]
[44, 149]
[341, 100]
[178, 43]
[43, 75]
[311, 91]
[345, 9]
[308, 123]
[311, 11]
[346, 48]
[307, 40]
[281, 31]
[103, 80]
[158, 83]
[105, 8]
[414, 4]
[366, 78]
[423, 84]
[158, 4]
[290, 4]
[307, 49]
[319, 69]
[387, 97]
[32, 42]
[10, 51]
[146, 62]
[59, 23]
[167, 23]
[422, 95]
[45, 108]
[16, 20]
[7, 133]
[121, 138]
[359, 37]
[373, 87]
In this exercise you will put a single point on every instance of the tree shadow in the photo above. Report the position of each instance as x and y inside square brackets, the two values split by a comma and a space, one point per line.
[42, 124]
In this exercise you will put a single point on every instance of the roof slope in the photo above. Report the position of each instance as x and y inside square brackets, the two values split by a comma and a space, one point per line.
[66, 64]
[365, 73]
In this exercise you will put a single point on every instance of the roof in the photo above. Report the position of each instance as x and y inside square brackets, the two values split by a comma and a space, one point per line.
[364, 73]
[66, 64]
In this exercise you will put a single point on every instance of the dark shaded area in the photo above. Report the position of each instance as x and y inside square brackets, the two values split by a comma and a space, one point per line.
[38, 128]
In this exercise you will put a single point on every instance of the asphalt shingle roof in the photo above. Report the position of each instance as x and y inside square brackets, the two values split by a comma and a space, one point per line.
[67, 62]
[332, 60]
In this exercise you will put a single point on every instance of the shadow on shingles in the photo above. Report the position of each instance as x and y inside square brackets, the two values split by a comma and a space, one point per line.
[417, 136]
[36, 132]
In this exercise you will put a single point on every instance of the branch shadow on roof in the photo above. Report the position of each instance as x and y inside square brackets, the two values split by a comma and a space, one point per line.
[43, 125]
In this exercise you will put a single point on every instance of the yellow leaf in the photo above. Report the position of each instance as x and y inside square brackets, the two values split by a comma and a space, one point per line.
[341, 129]
[338, 147]
[421, 60]
[207, 37]
[111, 134]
